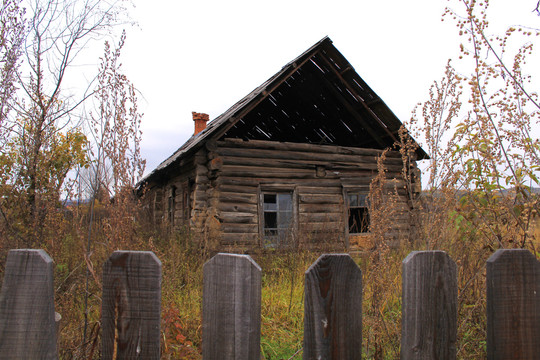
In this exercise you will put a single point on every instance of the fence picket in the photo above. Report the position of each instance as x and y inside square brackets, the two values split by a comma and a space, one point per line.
[27, 319]
[131, 305]
[231, 308]
[513, 305]
[333, 309]
[429, 308]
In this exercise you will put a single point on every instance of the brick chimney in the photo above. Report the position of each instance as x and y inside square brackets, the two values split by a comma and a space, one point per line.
[200, 121]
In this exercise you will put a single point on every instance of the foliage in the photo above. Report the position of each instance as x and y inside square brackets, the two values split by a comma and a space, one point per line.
[479, 129]
[41, 132]
[11, 38]
[479, 126]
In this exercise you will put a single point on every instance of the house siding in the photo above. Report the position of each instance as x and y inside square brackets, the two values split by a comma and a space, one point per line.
[226, 178]
[319, 175]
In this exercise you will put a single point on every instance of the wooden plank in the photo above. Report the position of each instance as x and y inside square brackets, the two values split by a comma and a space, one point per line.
[313, 182]
[513, 305]
[239, 218]
[27, 321]
[331, 149]
[229, 153]
[131, 306]
[234, 207]
[329, 217]
[261, 172]
[320, 199]
[285, 161]
[333, 309]
[239, 189]
[240, 228]
[321, 208]
[231, 308]
[231, 197]
[429, 309]
[331, 188]
[236, 181]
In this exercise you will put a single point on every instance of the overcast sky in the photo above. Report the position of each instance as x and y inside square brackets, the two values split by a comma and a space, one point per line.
[204, 56]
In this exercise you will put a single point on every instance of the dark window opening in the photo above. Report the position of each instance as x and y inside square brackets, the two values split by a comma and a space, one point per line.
[185, 204]
[277, 218]
[358, 214]
[172, 205]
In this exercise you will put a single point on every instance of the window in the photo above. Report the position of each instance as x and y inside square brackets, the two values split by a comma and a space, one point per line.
[358, 213]
[277, 217]
[172, 205]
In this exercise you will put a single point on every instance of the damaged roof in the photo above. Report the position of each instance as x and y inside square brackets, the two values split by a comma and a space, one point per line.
[317, 98]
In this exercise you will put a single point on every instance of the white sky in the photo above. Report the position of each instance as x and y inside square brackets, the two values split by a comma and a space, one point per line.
[204, 56]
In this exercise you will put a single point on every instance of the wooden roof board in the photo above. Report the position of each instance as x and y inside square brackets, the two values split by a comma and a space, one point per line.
[372, 114]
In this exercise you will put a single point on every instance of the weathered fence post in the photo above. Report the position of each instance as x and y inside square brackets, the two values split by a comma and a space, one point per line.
[429, 309]
[333, 309]
[513, 305]
[27, 326]
[231, 308]
[131, 305]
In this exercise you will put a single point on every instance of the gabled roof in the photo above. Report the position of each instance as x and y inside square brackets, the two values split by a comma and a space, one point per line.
[316, 98]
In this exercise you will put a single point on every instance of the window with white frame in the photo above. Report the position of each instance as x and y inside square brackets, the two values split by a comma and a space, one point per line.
[277, 217]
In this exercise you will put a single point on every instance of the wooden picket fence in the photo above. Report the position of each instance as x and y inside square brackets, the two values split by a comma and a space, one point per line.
[232, 307]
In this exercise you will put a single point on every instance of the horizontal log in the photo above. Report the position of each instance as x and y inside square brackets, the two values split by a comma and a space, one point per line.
[235, 207]
[240, 228]
[330, 217]
[318, 157]
[321, 208]
[331, 187]
[238, 218]
[362, 182]
[320, 199]
[239, 189]
[235, 181]
[314, 182]
[266, 173]
[294, 162]
[331, 149]
[231, 197]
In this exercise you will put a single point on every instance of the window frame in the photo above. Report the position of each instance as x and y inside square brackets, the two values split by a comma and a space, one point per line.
[363, 197]
[285, 236]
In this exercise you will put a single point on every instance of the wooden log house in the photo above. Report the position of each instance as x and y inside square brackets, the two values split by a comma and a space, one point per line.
[295, 156]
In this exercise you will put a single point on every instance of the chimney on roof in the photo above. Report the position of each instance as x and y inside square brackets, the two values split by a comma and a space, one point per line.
[200, 120]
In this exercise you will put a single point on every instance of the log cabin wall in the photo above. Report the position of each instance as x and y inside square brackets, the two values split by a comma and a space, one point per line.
[171, 200]
[237, 173]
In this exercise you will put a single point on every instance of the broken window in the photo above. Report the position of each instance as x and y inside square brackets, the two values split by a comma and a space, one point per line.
[358, 213]
[277, 217]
